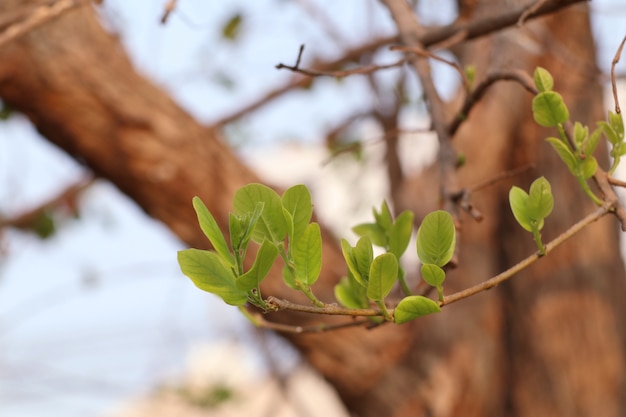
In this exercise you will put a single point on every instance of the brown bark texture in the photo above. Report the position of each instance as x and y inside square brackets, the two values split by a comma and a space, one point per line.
[549, 343]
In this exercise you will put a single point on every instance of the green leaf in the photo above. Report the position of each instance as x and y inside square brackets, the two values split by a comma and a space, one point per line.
[581, 133]
[384, 219]
[588, 167]
[307, 255]
[350, 294]
[400, 233]
[543, 79]
[414, 306]
[383, 274]
[517, 200]
[433, 275]
[289, 278]
[260, 268]
[241, 227]
[372, 230]
[348, 255]
[617, 123]
[540, 201]
[591, 144]
[564, 153]
[610, 133]
[549, 109]
[363, 254]
[232, 28]
[208, 272]
[271, 224]
[436, 238]
[212, 231]
[297, 202]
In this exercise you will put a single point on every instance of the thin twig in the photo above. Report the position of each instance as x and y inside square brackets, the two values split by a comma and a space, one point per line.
[260, 322]
[168, 10]
[514, 75]
[425, 53]
[616, 181]
[616, 59]
[277, 304]
[500, 177]
[500, 278]
[345, 73]
[38, 17]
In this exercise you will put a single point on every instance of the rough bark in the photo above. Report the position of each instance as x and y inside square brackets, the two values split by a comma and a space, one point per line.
[549, 343]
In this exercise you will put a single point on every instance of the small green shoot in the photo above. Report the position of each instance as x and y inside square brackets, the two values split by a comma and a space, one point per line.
[530, 209]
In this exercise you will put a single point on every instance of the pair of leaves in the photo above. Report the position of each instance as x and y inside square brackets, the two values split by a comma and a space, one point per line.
[385, 232]
[530, 209]
[376, 275]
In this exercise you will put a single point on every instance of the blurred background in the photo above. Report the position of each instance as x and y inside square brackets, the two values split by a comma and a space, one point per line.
[94, 313]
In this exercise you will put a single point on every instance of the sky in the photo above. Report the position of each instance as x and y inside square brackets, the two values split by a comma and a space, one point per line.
[99, 313]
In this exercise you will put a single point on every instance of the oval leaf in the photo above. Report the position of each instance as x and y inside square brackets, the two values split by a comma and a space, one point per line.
[208, 272]
[373, 231]
[413, 307]
[271, 224]
[588, 167]
[212, 231]
[517, 200]
[400, 233]
[436, 238]
[260, 268]
[353, 267]
[307, 255]
[543, 79]
[564, 153]
[350, 294]
[383, 274]
[297, 201]
[540, 201]
[433, 275]
[549, 109]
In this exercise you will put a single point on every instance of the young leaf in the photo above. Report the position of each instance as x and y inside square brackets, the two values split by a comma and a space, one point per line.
[543, 79]
[212, 231]
[271, 224]
[400, 233]
[363, 255]
[581, 133]
[589, 147]
[588, 167]
[549, 109]
[433, 275]
[564, 153]
[413, 307]
[611, 135]
[307, 255]
[260, 268]
[617, 123]
[353, 267]
[297, 201]
[518, 199]
[436, 238]
[384, 219]
[383, 274]
[540, 201]
[350, 294]
[373, 231]
[289, 278]
[208, 272]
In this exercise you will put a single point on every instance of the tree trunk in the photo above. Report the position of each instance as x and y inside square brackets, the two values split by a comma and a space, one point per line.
[549, 343]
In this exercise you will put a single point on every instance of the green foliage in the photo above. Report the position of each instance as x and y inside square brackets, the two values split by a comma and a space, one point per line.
[232, 27]
[382, 276]
[549, 110]
[530, 209]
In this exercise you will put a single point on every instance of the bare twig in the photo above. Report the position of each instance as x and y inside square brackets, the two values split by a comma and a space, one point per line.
[616, 59]
[260, 322]
[427, 54]
[500, 177]
[276, 304]
[514, 75]
[167, 11]
[39, 16]
[345, 73]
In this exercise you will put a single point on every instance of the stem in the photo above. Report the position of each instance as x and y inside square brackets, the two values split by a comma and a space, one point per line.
[540, 246]
[403, 284]
[383, 309]
[306, 290]
[587, 190]
[440, 293]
